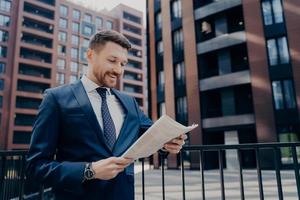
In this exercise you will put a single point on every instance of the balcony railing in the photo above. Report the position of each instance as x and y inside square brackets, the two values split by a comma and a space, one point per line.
[15, 185]
[275, 152]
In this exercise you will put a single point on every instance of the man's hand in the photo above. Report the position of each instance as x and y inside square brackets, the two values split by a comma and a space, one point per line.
[175, 145]
[109, 168]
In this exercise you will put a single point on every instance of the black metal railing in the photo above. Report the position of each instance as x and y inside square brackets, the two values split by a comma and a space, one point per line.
[271, 157]
[272, 150]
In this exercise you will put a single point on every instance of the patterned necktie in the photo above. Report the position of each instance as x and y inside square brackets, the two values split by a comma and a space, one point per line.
[108, 124]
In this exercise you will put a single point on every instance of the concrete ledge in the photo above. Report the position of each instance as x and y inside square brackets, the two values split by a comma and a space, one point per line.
[228, 121]
[226, 80]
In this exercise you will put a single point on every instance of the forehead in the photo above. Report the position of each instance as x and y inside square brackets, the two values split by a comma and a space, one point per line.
[114, 50]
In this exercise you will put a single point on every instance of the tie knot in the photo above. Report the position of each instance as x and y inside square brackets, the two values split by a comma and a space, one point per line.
[102, 92]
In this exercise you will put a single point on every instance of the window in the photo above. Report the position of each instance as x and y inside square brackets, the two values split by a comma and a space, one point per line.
[88, 30]
[283, 94]
[73, 78]
[1, 84]
[5, 5]
[181, 109]
[1, 103]
[61, 64]
[2, 68]
[76, 14]
[85, 43]
[99, 22]
[62, 36]
[278, 51]
[75, 27]
[176, 9]
[272, 11]
[60, 78]
[74, 53]
[61, 50]
[75, 40]
[74, 67]
[161, 109]
[109, 25]
[288, 134]
[158, 20]
[3, 36]
[180, 73]
[63, 10]
[88, 18]
[178, 39]
[161, 81]
[63, 23]
[160, 48]
[3, 51]
[4, 20]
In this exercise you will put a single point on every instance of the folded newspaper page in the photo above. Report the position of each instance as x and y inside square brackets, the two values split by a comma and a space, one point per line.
[161, 132]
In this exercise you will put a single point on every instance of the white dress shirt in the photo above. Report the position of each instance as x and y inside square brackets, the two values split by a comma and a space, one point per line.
[115, 108]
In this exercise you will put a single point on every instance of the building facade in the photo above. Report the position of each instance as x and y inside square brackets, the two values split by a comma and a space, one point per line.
[231, 66]
[43, 45]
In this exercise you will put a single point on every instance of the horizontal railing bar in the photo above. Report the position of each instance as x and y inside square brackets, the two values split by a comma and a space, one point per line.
[13, 153]
[239, 146]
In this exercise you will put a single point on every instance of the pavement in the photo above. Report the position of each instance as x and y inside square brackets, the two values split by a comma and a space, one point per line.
[193, 191]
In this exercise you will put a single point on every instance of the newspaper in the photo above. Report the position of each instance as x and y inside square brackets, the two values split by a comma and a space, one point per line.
[161, 132]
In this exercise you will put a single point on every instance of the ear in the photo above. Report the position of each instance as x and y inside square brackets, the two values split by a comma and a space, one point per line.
[89, 54]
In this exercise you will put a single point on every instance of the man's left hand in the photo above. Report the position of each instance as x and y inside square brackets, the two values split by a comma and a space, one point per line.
[175, 145]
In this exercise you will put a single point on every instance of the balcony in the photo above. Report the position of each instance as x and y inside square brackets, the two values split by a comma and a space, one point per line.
[27, 103]
[24, 120]
[211, 7]
[132, 29]
[35, 55]
[31, 70]
[36, 40]
[49, 2]
[222, 41]
[34, 87]
[132, 18]
[134, 64]
[39, 11]
[37, 25]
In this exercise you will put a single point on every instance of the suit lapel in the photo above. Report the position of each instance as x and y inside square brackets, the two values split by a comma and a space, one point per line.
[83, 100]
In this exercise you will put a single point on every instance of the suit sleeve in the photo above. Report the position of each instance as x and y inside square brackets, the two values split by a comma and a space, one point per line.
[145, 122]
[41, 165]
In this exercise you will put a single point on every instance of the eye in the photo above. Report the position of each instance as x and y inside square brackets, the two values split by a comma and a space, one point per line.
[112, 61]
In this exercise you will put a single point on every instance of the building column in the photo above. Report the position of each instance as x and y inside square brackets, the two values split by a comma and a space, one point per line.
[192, 79]
[260, 81]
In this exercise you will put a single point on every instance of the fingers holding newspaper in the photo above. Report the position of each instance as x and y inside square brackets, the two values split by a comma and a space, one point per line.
[175, 145]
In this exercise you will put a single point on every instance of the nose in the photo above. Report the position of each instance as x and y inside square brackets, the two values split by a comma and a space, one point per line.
[118, 69]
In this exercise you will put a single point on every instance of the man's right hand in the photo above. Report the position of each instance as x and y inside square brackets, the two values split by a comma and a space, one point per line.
[109, 168]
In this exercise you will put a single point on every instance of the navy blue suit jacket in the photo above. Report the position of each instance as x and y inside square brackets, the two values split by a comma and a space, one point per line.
[66, 135]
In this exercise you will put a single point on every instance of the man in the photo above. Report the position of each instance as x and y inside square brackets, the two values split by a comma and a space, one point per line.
[82, 129]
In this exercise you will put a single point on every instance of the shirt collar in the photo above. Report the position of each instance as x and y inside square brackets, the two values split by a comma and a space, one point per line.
[90, 85]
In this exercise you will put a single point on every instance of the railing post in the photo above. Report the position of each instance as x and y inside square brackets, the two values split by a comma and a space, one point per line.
[278, 176]
[221, 173]
[259, 178]
[296, 169]
[241, 175]
[182, 174]
[162, 157]
[2, 177]
[22, 178]
[143, 178]
[202, 174]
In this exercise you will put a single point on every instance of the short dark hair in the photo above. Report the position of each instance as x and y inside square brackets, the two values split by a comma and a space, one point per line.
[100, 38]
